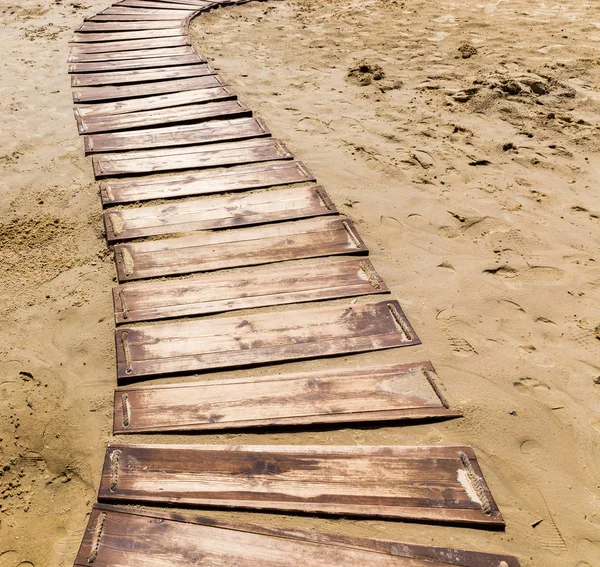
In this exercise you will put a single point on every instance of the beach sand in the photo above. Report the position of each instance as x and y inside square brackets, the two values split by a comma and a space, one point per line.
[460, 137]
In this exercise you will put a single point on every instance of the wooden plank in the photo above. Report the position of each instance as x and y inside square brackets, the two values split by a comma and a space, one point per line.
[211, 213]
[137, 15]
[133, 64]
[180, 135]
[163, 13]
[154, 102]
[198, 3]
[243, 178]
[159, 5]
[126, 36]
[312, 238]
[134, 54]
[161, 117]
[399, 392]
[201, 3]
[434, 483]
[101, 27]
[99, 94]
[200, 345]
[263, 286]
[118, 535]
[190, 157]
[143, 75]
[112, 46]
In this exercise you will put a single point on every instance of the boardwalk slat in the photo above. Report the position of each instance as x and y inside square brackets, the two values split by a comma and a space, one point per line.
[396, 392]
[241, 178]
[211, 213]
[181, 135]
[113, 46]
[126, 36]
[311, 238]
[190, 157]
[111, 93]
[155, 102]
[143, 75]
[133, 64]
[160, 5]
[135, 55]
[101, 27]
[200, 345]
[245, 288]
[162, 116]
[128, 536]
[435, 483]
[137, 15]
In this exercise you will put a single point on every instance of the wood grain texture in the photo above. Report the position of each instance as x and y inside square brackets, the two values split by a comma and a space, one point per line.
[183, 6]
[199, 3]
[146, 103]
[190, 157]
[219, 212]
[162, 12]
[137, 15]
[101, 94]
[240, 178]
[398, 392]
[126, 36]
[135, 55]
[119, 46]
[311, 238]
[262, 286]
[114, 536]
[135, 64]
[198, 345]
[100, 27]
[434, 483]
[179, 135]
[142, 76]
[210, 110]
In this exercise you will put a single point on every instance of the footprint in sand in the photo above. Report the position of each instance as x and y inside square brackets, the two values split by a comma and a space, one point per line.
[530, 274]
[451, 326]
[541, 392]
[10, 558]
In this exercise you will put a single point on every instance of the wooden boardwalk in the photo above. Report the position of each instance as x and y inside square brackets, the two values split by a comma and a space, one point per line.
[218, 216]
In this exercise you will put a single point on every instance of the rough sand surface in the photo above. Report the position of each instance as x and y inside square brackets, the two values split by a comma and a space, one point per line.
[460, 137]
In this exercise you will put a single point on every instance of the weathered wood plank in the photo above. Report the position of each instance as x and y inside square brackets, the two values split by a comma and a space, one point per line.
[242, 178]
[162, 13]
[155, 102]
[138, 15]
[143, 75]
[101, 27]
[399, 392]
[262, 286]
[190, 157]
[114, 46]
[212, 213]
[199, 345]
[133, 64]
[198, 3]
[180, 135]
[126, 36]
[434, 483]
[112, 532]
[100, 94]
[161, 117]
[311, 238]
[160, 5]
[134, 55]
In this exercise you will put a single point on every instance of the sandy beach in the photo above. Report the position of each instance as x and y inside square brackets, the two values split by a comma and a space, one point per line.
[462, 140]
